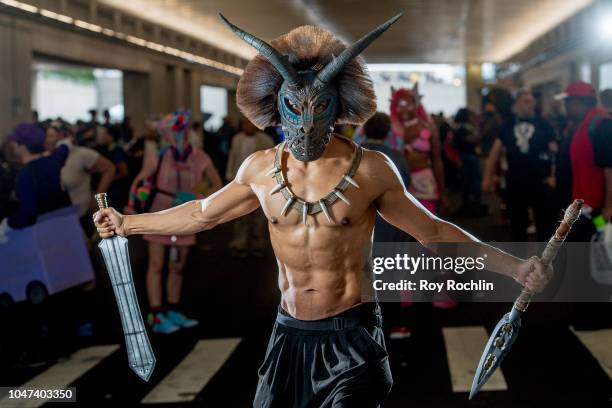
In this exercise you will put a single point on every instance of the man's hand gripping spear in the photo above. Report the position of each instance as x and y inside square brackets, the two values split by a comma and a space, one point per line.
[506, 331]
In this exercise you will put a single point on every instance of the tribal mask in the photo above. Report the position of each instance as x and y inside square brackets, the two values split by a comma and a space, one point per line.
[307, 81]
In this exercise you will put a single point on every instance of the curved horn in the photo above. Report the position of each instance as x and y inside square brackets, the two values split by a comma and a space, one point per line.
[280, 62]
[337, 64]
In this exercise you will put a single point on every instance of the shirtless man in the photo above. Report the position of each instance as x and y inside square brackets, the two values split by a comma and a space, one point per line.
[320, 193]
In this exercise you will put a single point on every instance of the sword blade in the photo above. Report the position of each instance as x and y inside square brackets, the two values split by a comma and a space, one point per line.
[139, 351]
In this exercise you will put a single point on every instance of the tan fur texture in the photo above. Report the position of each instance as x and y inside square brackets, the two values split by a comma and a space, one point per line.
[308, 47]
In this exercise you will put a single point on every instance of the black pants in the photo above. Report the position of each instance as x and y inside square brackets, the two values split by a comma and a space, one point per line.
[336, 362]
[541, 202]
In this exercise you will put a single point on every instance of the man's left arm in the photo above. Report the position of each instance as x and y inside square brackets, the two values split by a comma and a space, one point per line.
[401, 209]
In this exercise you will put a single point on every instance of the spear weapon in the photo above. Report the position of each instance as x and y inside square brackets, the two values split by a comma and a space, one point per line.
[117, 259]
[506, 331]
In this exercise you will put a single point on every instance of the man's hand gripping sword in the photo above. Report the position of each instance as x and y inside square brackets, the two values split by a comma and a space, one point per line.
[117, 259]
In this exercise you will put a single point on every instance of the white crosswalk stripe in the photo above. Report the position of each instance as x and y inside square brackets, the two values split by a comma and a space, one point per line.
[599, 343]
[62, 374]
[464, 346]
[194, 372]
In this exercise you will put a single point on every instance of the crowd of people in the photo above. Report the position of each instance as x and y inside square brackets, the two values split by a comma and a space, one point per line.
[53, 164]
[536, 164]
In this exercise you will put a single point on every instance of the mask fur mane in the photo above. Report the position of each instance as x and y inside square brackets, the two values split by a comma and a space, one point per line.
[307, 47]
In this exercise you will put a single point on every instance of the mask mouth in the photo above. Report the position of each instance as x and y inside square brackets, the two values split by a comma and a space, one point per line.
[305, 148]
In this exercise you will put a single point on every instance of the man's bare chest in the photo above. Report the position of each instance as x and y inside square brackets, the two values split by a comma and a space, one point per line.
[328, 206]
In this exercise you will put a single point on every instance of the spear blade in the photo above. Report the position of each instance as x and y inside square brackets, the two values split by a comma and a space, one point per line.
[503, 336]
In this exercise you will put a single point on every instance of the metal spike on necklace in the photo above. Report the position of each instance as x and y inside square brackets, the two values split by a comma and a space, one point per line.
[322, 205]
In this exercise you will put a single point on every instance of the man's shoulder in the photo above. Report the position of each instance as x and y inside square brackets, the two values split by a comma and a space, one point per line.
[264, 155]
[375, 162]
[258, 162]
[374, 155]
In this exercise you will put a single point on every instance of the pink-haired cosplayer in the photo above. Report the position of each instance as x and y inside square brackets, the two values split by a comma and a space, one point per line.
[173, 177]
[414, 133]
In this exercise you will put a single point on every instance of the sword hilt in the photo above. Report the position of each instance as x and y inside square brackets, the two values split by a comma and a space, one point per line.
[101, 200]
[548, 255]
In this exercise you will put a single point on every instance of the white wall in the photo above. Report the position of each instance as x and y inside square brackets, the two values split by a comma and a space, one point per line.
[442, 86]
[213, 99]
[605, 76]
[56, 95]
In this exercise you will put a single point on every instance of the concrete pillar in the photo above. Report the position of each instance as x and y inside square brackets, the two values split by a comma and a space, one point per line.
[194, 94]
[473, 86]
[232, 109]
[595, 64]
[187, 84]
[178, 83]
[160, 89]
[136, 98]
[15, 74]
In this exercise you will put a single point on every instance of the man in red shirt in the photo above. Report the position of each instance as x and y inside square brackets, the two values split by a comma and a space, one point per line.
[591, 179]
[589, 142]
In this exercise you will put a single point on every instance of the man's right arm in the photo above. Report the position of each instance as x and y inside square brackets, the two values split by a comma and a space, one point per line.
[232, 201]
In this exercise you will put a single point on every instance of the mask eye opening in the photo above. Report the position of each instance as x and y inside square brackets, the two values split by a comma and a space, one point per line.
[291, 106]
[321, 106]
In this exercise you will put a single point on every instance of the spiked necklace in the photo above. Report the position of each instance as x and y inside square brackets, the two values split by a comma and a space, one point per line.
[306, 207]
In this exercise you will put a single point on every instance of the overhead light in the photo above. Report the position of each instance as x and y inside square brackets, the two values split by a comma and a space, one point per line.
[88, 26]
[20, 5]
[187, 56]
[605, 26]
[56, 16]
